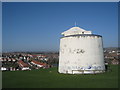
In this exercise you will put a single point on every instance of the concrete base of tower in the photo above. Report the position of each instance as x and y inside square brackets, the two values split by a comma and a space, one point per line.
[83, 72]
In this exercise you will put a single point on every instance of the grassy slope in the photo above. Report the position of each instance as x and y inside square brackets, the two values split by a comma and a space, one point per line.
[43, 78]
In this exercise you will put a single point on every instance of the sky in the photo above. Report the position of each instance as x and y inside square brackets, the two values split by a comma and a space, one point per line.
[37, 26]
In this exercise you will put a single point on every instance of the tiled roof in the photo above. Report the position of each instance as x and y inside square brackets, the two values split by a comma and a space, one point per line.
[22, 64]
[36, 62]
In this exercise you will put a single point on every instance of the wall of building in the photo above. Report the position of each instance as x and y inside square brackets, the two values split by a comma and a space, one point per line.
[81, 53]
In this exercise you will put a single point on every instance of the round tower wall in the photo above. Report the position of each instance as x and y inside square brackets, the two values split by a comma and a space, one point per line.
[81, 54]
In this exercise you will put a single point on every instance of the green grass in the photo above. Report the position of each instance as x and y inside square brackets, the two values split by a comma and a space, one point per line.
[43, 78]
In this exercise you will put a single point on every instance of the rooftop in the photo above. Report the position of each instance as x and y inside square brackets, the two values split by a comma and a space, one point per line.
[75, 31]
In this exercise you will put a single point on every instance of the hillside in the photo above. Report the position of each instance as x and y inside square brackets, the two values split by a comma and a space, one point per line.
[50, 78]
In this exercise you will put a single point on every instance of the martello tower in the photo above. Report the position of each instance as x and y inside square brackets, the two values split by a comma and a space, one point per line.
[81, 52]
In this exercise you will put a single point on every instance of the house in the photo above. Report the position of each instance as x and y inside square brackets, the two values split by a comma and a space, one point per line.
[115, 62]
[38, 64]
[3, 69]
[23, 65]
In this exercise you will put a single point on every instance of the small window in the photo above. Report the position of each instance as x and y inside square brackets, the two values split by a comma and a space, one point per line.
[82, 32]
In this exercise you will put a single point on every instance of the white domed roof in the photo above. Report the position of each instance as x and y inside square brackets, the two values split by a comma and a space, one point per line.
[75, 30]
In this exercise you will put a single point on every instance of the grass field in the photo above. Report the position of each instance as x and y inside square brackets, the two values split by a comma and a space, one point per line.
[50, 78]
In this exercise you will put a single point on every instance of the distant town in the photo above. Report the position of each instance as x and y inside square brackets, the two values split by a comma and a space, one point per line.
[14, 61]
[28, 60]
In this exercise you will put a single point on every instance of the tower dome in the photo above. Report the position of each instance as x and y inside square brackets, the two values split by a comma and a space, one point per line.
[75, 30]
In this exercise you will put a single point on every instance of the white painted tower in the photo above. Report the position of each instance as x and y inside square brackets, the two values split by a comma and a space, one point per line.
[81, 52]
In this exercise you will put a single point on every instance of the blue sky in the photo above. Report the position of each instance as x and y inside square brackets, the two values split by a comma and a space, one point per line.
[38, 26]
